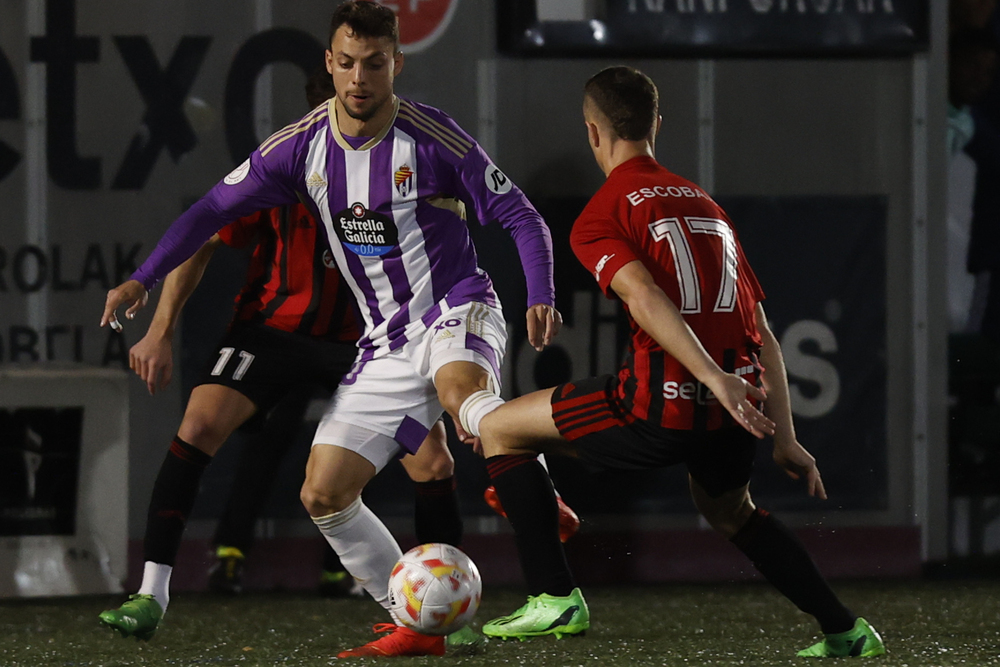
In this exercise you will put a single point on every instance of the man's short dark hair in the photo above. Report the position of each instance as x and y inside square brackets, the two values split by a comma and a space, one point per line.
[628, 98]
[366, 19]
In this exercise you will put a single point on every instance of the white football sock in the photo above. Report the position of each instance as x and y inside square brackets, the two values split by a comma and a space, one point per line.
[475, 407]
[156, 582]
[366, 548]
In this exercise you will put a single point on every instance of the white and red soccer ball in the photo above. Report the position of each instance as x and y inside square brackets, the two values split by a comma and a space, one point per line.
[435, 589]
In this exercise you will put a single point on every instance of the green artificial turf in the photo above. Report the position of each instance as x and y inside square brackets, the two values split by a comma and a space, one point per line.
[922, 623]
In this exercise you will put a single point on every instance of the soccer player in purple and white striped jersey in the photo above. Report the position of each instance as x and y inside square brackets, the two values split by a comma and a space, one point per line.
[390, 180]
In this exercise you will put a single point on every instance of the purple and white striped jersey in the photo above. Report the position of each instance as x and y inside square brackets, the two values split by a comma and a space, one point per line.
[394, 210]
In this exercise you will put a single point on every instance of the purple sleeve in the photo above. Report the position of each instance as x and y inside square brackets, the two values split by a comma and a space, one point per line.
[256, 184]
[495, 197]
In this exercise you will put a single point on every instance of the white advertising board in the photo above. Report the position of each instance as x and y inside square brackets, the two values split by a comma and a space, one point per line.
[63, 481]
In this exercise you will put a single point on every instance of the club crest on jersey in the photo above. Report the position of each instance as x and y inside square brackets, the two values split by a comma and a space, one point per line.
[403, 178]
[365, 233]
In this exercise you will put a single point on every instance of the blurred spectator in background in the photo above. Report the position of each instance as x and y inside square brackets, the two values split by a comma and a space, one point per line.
[973, 257]
[974, 146]
[984, 149]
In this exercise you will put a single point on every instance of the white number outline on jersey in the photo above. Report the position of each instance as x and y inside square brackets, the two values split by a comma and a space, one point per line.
[245, 360]
[225, 354]
[687, 274]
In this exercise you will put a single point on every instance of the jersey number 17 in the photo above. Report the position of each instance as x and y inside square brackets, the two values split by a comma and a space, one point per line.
[673, 230]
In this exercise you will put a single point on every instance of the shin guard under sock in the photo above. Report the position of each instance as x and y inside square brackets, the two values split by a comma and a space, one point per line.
[525, 491]
[436, 515]
[174, 493]
[366, 548]
[331, 561]
[783, 560]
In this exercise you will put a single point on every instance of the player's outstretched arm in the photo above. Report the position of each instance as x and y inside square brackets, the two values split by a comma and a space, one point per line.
[653, 310]
[788, 453]
[152, 357]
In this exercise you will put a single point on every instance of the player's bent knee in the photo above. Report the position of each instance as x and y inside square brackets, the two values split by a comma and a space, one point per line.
[203, 433]
[321, 502]
[430, 473]
[726, 513]
[440, 467]
[491, 438]
[451, 399]
[496, 441]
[727, 519]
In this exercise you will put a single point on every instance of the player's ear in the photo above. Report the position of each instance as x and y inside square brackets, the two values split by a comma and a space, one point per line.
[593, 135]
[397, 63]
[659, 122]
[329, 61]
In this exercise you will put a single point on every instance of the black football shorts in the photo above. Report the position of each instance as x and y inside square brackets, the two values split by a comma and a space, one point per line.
[264, 363]
[602, 434]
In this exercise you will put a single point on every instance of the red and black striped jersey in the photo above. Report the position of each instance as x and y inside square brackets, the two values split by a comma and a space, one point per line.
[292, 283]
[687, 243]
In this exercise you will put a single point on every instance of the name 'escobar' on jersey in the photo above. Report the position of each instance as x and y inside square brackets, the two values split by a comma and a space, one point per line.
[639, 196]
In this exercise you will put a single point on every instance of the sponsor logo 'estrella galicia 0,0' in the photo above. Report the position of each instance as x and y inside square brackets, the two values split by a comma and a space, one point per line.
[366, 233]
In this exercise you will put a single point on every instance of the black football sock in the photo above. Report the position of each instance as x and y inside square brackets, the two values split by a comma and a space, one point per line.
[251, 488]
[255, 474]
[174, 493]
[436, 516]
[526, 493]
[783, 560]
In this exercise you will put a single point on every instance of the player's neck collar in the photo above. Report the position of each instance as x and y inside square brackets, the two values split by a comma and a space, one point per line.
[634, 162]
[371, 143]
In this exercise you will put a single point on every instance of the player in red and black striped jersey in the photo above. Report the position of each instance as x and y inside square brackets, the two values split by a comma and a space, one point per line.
[648, 215]
[294, 319]
[284, 292]
[687, 392]
[294, 330]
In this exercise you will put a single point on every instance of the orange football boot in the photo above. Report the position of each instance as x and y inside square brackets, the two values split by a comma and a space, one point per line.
[569, 522]
[399, 641]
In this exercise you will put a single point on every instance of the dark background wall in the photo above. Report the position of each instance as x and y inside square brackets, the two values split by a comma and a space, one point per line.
[801, 146]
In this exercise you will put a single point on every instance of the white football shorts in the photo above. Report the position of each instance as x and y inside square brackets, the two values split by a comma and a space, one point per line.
[393, 394]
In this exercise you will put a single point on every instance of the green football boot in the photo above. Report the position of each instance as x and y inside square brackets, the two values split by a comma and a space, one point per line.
[465, 641]
[543, 615]
[861, 641]
[136, 618]
[226, 574]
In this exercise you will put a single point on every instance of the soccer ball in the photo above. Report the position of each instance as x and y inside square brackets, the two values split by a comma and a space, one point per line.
[435, 589]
